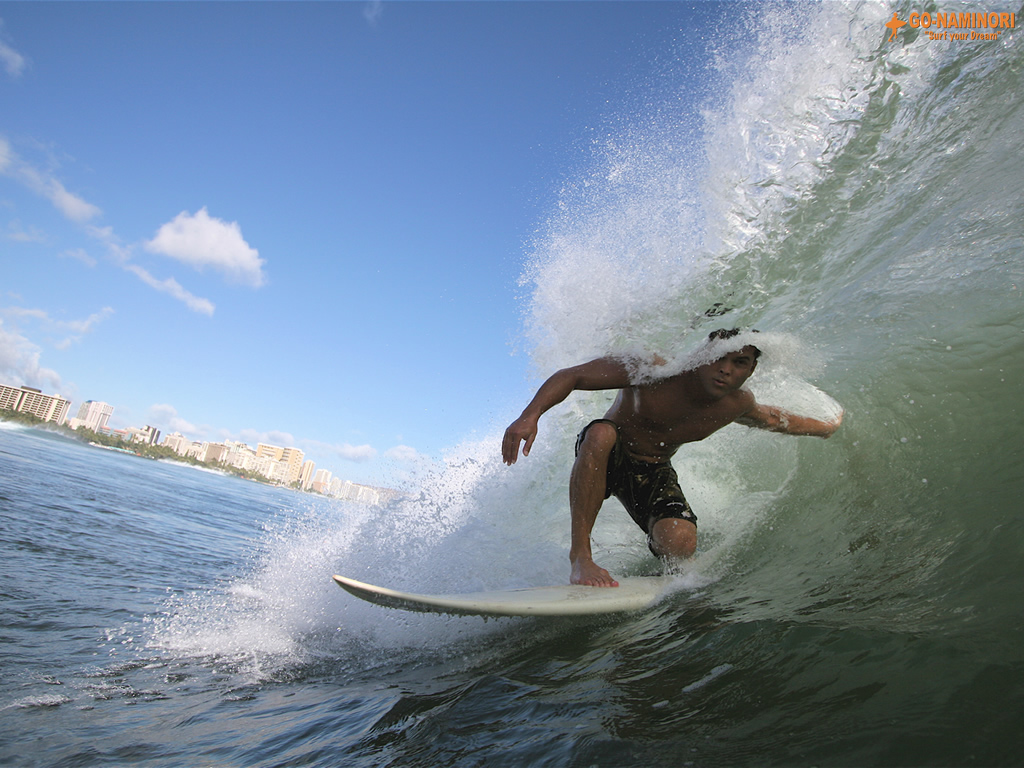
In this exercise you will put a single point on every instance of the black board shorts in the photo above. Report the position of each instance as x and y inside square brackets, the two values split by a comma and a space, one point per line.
[649, 492]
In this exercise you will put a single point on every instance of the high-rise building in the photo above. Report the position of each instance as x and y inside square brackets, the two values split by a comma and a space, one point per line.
[178, 443]
[212, 452]
[147, 434]
[306, 476]
[30, 400]
[322, 481]
[240, 456]
[9, 398]
[292, 457]
[93, 414]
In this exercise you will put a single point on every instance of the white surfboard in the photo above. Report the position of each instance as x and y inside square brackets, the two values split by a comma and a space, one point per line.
[633, 593]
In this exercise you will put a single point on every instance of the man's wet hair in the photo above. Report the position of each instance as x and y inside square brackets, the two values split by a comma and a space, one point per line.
[728, 333]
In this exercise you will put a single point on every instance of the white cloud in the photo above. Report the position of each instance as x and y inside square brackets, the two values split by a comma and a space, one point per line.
[20, 235]
[79, 254]
[71, 330]
[404, 453]
[121, 255]
[79, 328]
[72, 206]
[270, 437]
[356, 453]
[197, 240]
[35, 314]
[166, 418]
[45, 185]
[202, 241]
[84, 326]
[372, 12]
[172, 287]
[12, 61]
[107, 236]
[19, 362]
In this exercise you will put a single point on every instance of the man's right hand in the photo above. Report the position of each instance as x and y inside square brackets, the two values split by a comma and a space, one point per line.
[522, 429]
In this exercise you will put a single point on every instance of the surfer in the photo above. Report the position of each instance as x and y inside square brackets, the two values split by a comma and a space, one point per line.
[628, 452]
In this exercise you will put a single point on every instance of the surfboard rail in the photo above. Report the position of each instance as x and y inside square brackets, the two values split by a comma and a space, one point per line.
[633, 593]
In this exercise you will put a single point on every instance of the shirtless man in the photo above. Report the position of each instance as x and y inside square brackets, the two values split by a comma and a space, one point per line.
[628, 453]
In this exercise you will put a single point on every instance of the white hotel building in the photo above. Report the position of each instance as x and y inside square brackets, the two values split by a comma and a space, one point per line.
[30, 400]
[92, 414]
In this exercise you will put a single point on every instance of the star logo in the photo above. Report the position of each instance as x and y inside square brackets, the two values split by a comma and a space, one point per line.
[893, 25]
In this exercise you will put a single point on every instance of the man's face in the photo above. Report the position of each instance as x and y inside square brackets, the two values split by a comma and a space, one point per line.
[728, 373]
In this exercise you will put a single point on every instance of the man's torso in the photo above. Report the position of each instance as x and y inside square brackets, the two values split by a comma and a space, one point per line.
[656, 419]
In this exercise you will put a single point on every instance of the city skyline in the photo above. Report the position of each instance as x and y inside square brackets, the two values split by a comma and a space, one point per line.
[284, 465]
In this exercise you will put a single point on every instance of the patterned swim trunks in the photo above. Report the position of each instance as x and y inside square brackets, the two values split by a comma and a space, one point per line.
[649, 492]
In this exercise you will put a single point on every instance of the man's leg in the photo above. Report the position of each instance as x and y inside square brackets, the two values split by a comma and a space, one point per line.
[587, 486]
[673, 539]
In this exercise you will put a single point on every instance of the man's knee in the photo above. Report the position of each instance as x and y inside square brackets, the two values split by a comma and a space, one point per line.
[599, 439]
[674, 538]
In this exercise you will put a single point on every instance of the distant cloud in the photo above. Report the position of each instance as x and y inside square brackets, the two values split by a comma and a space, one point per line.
[65, 332]
[372, 12]
[173, 288]
[19, 362]
[121, 255]
[84, 326]
[79, 328]
[270, 437]
[166, 418]
[107, 237]
[22, 312]
[45, 185]
[72, 206]
[198, 240]
[79, 254]
[13, 62]
[356, 453]
[404, 453]
[202, 241]
[19, 234]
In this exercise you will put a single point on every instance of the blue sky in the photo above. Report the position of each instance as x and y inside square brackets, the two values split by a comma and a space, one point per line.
[301, 223]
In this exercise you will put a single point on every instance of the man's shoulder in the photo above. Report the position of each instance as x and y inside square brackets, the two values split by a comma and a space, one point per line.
[746, 396]
[742, 400]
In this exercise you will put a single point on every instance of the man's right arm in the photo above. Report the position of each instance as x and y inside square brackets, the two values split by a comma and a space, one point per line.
[603, 373]
[775, 419]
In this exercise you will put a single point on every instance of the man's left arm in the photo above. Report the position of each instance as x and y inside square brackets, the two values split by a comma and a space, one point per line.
[775, 419]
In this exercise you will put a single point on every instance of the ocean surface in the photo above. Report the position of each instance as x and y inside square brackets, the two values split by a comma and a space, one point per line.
[854, 602]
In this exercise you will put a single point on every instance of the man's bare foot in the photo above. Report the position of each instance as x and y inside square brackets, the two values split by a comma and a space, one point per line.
[586, 571]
